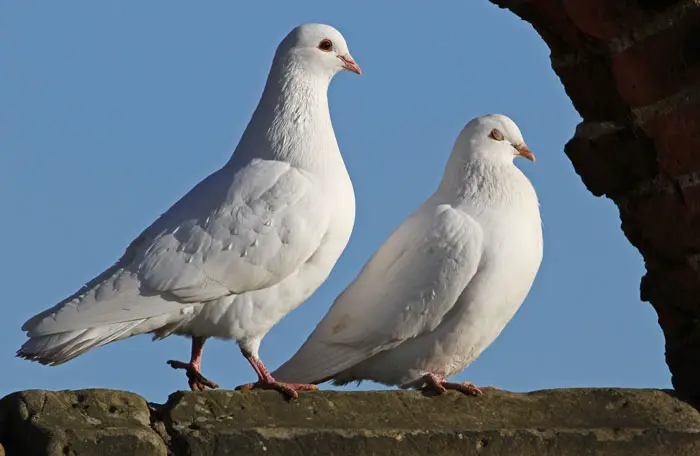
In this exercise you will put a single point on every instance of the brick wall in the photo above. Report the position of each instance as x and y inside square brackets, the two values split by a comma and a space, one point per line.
[565, 422]
[632, 70]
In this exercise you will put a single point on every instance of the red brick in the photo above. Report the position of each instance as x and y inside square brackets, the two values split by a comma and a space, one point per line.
[661, 218]
[673, 283]
[607, 19]
[676, 135]
[661, 225]
[615, 162]
[592, 89]
[553, 24]
[660, 65]
[691, 195]
[673, 291]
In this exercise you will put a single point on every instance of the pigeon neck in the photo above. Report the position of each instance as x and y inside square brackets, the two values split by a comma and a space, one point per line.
[292, 122]
[485, 183]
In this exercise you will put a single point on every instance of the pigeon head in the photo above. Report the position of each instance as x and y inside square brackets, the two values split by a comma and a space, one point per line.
[318, 49]
[493, 137]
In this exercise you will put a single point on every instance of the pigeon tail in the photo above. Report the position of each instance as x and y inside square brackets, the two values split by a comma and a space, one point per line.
[104, 311]
[55, 349]
[318, 364]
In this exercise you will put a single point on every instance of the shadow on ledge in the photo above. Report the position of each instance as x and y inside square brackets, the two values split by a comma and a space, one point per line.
[566, 422]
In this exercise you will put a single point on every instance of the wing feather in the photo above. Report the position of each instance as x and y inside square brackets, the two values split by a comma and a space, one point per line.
[219, 241]
[230, 234]
[406, 289]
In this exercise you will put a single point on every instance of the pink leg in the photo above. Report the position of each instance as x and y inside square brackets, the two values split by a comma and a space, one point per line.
[440, 385]
[266, 381]
[195, 378]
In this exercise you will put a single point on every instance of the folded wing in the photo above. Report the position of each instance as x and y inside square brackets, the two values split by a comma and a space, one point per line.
[228, 235]
[406, 289]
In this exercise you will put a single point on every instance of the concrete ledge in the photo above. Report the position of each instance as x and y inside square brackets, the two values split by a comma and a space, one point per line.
[555, 422]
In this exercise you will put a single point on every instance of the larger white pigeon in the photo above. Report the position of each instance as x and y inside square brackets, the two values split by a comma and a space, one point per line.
[445, 283]
[245, 246]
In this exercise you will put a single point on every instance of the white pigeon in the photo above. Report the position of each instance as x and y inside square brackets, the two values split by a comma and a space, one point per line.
[245, 246]
[446, 282]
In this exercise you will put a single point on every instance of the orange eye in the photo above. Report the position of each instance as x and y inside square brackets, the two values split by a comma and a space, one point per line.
[325, 45]
[496, 135]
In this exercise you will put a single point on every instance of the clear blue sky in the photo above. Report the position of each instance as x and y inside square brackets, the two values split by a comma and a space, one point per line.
[110, 111]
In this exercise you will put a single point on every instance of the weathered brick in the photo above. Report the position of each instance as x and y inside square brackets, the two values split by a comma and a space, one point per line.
[614, 162]
[676, 134]
[660, 65]
[552, 23]
[691, 196]
[616, 57]
[673, 289]
[563, 422]
[676, 284]
[607, 19]
[666, 226]
[591, 86]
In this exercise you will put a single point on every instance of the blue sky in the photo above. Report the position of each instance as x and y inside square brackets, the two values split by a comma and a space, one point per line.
[111, 111]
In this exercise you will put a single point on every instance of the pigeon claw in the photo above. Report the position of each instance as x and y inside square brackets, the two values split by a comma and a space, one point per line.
[195, 379]
[467, 388]
[288, 389]
[438, 385]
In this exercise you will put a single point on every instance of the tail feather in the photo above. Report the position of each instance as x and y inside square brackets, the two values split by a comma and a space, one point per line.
[318, 362]
[55, 349]
[107, 311]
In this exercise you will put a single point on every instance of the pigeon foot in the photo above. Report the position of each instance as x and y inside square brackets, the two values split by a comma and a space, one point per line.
[195, 379]
[268, 382]
[439, 385]
[288, 389]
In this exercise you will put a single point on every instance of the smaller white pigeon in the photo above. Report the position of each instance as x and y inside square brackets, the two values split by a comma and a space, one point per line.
[245, 246]
[446, 282]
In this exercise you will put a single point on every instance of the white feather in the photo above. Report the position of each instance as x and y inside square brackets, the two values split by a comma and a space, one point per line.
[444, 284]
[243, 247]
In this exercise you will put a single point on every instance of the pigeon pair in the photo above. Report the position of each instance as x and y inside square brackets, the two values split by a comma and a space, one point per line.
[255, 239]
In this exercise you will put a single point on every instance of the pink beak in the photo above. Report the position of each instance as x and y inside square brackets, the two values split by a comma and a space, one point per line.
[524, 152]
[349, 64]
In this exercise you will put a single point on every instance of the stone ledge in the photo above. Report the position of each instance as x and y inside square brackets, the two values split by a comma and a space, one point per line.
[566, 422]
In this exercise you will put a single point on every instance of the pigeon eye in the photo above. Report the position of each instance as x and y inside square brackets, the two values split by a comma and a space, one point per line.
[325, 45]
[496, 135]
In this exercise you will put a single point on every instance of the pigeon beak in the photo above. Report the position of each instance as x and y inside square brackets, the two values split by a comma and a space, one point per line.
[349, 64]
[524, 152]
